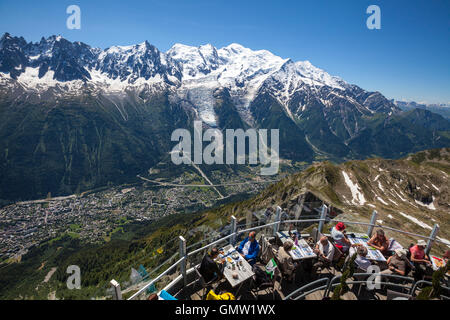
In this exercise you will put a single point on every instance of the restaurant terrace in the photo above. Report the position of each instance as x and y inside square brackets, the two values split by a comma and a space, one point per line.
[178, 277]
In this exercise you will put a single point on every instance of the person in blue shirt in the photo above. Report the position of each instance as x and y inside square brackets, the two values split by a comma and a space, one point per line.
[249, 248]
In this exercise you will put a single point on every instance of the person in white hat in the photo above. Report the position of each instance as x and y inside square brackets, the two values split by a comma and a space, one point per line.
[420, 260]
[397, 263]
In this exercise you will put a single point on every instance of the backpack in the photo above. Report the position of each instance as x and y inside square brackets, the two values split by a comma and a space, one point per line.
[260, 276]
[224, 296]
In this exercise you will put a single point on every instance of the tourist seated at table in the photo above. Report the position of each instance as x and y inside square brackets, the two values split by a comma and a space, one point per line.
[249, 248]
[421, 261]
[361, 256]
[340, 238]
[397, 263]
[287, 264]
[325, 252]
[210, 269]
[380, 242]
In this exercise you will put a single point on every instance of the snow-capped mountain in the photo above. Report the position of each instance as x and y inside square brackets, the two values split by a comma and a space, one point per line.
[139, 62]
[76, 117]
[193, 71]
[440, 108]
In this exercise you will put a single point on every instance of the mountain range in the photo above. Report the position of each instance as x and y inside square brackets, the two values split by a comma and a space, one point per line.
[76, 117]
[440, 108]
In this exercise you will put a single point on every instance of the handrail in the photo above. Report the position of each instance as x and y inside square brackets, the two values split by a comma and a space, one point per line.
[156, 279]
[200, 242]
[210, 244]
[365, 281]
[414, 288]
[384, 227]
[283, 222]
[378, 274]
[311, 291]
[363, 224]
[257, 227]
[327, 280]
[159, 266]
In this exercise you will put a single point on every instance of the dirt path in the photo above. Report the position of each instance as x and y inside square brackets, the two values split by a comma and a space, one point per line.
[42, 265]
[50, 274]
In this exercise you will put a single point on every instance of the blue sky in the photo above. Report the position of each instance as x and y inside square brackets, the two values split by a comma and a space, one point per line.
[409, 58]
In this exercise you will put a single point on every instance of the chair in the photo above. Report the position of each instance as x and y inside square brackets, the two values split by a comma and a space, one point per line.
[338, 254]
[408, 251]
[282, 273]
[266, 285]
[409, 267]
[360, 278]
[327, 266]
[204, 284]
[265, 251]
[395, 295]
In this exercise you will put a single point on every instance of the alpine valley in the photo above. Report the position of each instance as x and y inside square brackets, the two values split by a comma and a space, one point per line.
[75, 118]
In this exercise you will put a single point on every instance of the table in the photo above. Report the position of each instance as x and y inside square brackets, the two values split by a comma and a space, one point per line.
[437, 262]
[244, 272]
[298, 252]
[372, 253]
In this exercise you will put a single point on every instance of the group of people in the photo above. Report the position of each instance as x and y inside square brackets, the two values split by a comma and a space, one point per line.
[211, 268]
[378, 241]
[324, 251]
[399, 261]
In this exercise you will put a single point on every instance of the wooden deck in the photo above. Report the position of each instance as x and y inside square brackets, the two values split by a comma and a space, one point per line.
[194, 291]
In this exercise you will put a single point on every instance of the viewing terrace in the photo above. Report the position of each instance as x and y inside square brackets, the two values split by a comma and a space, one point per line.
[179, 277]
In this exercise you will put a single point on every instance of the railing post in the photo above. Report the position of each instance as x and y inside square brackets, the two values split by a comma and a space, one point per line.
[117, 292]
[184, 261]
[373, 220]
[432, 238]
[276, 226]
[323, 216]
[233, 230]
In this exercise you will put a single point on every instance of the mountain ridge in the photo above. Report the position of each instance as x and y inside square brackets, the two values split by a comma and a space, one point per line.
[104, 116]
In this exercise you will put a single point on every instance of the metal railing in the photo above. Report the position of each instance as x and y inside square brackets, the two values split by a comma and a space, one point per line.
[330, 284]
[276, 225]
[334, 281]
[307, 286]
[154, 280]
[420, 282]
